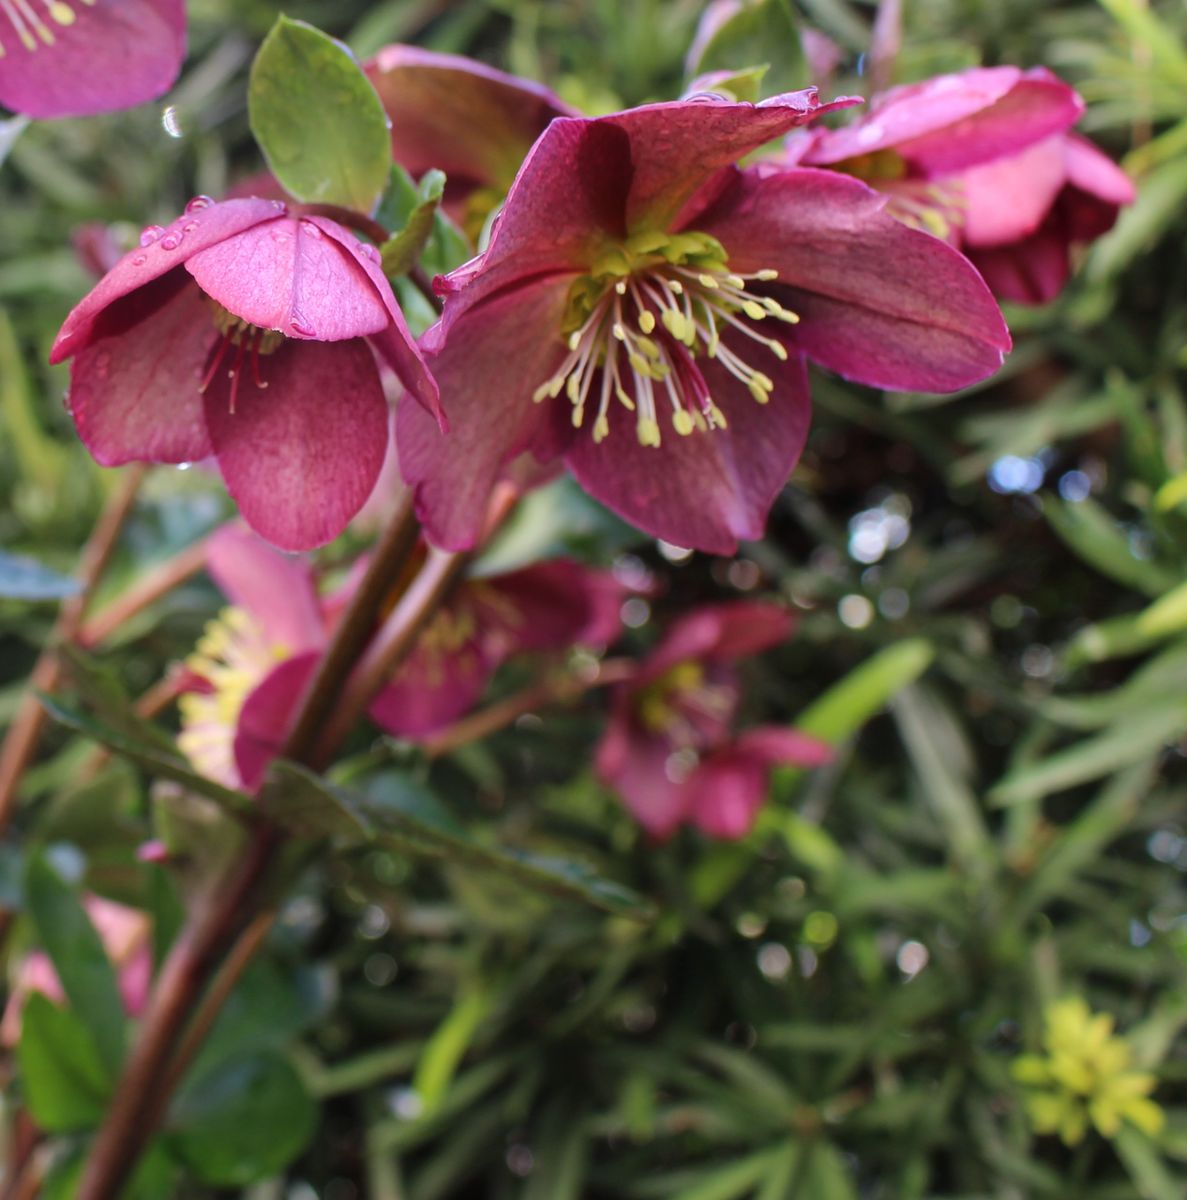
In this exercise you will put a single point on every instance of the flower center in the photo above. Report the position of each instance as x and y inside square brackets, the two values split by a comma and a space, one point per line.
[684, 705]
[637, 322]
[233, 656]
[32, 29]
[249, 340]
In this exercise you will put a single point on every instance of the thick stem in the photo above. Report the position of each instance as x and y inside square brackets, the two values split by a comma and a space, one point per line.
[150, 587]
[20, 743]
[142, 1095]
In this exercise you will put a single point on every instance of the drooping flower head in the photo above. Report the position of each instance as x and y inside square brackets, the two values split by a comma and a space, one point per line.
[643, 310]
[469, 120]
[670, 749]
[239, 331]
[72, 58]
[983, 158]
[255, 660]
[1085, 1077]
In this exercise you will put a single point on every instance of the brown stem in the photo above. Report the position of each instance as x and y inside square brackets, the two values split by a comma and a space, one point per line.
[20, 743]
[553, 689]
[147, 1079]
[150, 587]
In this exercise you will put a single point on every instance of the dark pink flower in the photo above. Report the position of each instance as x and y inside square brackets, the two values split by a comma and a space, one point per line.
[643, 311]
[72, 58]
[467, 119]
[670, 749]
[252, 665]
[984, 159]
[239, 331]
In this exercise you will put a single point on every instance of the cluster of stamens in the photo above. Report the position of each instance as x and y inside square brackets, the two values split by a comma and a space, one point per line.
[32, 29]
[250, 341]
[233, 656]
[682, 703]
[637, 322]
[934, 207]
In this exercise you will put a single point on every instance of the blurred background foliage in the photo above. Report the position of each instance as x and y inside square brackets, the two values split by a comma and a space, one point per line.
[829, 1010]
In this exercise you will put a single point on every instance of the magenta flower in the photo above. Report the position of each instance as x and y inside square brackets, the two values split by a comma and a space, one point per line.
[669, 749]
[1073, 190]
[643, 311]
[72, 58]
[467, 119]
[983, 159]
[253, 664]
[240, 332]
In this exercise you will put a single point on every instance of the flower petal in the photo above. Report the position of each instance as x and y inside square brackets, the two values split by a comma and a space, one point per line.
[725, 793]
[722, 633]
[287, 274]
[467, 119]
[706, 490]
[134, 388]
[301, 455]
[276, 589]
[1031, 270]
[74, 59]
[167, 249]
[492, 358]
[265, 716]
[878, 302]
[776, 744]
[635, 766]
[1007, 199]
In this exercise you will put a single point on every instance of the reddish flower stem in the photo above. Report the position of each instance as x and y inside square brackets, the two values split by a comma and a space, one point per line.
[20, 743]
[149, 588]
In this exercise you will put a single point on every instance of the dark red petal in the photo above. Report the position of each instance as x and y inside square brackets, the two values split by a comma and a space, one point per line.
[301, 455]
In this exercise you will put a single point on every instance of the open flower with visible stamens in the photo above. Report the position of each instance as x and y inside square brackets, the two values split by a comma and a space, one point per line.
[670, 750]
[245, 331]
[984, 159]
[467, 119]
[644, 308]
[72, 58]
[254, 661]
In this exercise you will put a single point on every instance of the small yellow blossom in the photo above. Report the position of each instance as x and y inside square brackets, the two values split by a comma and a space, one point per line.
[1085, 1077]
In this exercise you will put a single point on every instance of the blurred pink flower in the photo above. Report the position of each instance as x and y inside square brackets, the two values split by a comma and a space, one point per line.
[983, 158]
[124, 933]
[72, 58]
[241, 331]
[251, 668]
[670, 749]
[643, 311]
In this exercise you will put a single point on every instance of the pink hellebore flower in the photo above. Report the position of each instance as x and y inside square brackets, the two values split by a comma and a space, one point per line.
[72, 58]
[984, 159]
[238, 331]
[257, 658]
[467, 119]
[669, 748]
[124, 933]
[644, 308]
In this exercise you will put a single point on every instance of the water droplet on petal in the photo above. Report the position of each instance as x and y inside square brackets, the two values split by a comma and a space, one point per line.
[189, 227]
[140, 260]
[310, 228]
[279, 236]
[368, 251]
[280, 206]
[103, 364]
[300, 325]
[198, 203]
[171, 241]
[185, 466]
[149, 234]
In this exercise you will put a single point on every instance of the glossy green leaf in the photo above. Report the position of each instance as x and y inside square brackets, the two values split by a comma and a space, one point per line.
[74, 947]
[403, 250]
[317, 119]
[65, 1080]
[243, 1121]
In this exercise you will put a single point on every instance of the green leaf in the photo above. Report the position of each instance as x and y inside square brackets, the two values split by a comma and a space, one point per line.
[317, 118]
[65, 1081]
[155, 1176]
[403, 250]
[76, 950]
[149, 756]
[1151, 1176]
[26, 579]
[301, 802]
[760, 32]
[243, 1122]
[444, 1050]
